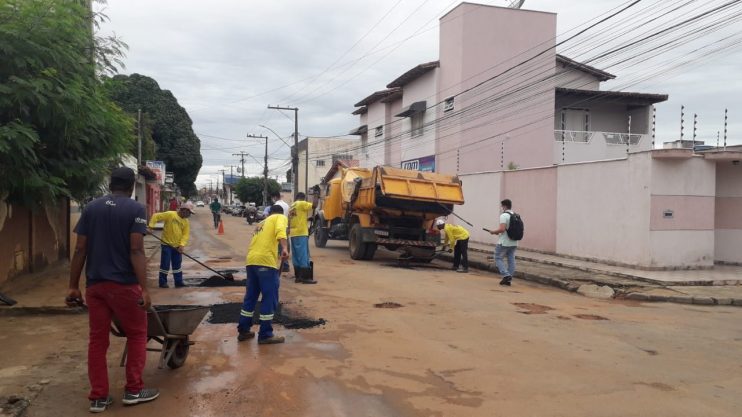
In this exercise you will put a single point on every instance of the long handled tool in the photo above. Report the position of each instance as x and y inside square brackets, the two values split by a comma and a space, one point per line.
[451, 212]
[228, 276]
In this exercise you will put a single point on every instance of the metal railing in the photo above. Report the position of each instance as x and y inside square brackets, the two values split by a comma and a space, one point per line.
[573, 136]
[611, 138]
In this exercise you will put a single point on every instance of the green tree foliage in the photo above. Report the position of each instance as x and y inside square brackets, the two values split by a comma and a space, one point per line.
[171, 126]
[59, 133]
[250, 190]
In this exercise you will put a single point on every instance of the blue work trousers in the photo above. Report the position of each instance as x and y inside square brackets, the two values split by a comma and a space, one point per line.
[502, 252]
[265, 281]
[300, 251]
[170, 256]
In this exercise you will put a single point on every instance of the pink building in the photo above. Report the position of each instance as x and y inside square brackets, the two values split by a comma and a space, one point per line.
[514, 119]
[500, 97]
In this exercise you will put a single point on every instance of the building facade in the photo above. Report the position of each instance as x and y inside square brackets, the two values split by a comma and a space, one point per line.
[316, 156]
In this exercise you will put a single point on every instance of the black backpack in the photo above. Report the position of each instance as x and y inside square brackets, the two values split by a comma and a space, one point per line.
[516, 227]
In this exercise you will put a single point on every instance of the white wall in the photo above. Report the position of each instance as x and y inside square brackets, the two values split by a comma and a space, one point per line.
[482, 195]
[568, 77]
[603, 210]
[375, 150]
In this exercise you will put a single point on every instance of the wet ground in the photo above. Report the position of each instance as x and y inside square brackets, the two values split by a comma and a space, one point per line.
[402, 342]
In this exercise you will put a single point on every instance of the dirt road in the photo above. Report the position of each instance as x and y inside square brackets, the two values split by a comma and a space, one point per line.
[455, 345]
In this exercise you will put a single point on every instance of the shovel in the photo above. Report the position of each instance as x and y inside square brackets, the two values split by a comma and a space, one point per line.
[228, 276]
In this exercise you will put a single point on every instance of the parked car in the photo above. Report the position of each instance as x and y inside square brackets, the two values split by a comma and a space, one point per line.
[200, 204]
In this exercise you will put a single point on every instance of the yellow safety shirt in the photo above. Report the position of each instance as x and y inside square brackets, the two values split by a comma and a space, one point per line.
[263, 250]
[299, 218]
[177, 229]
[455, 233]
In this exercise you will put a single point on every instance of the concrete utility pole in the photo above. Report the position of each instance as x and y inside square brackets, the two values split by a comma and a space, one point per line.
[224, 187]
[139, 137]
[295, 151]
[265, 167]
[231, 177]
[242, 155]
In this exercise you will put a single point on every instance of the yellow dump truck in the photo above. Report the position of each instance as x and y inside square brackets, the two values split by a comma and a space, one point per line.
[384, 206]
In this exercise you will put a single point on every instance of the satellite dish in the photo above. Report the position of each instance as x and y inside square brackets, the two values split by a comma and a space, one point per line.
[516, 4]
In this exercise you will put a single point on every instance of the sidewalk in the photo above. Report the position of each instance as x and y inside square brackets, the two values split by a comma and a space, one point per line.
[720, 286]
[43, 292]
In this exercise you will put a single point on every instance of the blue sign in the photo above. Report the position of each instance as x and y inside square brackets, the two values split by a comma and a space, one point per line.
[424, 164]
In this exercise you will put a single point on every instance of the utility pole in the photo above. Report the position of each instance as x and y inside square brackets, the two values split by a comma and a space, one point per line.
[682, 115]
[265, 167]
[726, 113]
[139, 137]
[224, 187]
[295, 149]
[695, 124]
[231, 177]
[242, 155]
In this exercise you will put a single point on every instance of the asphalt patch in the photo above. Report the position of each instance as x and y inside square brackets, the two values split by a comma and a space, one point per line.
[213, 281]
[230, 313]
[530, 308]
[388, 304]
[590, 317]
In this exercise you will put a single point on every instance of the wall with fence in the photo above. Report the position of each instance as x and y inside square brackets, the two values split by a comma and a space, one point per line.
[635, 211]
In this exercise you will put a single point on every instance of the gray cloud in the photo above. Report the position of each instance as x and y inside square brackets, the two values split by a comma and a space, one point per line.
[215, 56]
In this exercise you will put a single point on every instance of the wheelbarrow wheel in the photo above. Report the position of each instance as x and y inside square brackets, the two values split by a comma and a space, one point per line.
[180, 354]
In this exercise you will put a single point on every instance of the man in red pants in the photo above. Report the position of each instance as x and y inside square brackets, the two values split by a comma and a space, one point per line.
[110, 244]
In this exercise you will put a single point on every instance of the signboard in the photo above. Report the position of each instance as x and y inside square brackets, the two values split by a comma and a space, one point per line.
[424, 164]
[158, 167]
[169, 178]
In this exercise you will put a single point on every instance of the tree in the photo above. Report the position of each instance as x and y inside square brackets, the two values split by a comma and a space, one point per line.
[59, 133]
[171, 126]
[250, 190]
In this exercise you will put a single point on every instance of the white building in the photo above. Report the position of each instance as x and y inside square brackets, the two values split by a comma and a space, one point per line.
[323, 152]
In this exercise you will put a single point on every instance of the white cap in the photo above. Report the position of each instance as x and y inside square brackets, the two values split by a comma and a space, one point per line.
[188, 206]
[440, 222]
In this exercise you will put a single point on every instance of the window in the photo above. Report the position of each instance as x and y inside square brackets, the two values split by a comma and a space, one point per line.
[417, 124]
[320, 162]
[341, 157]
[448, 104]
[379, 131]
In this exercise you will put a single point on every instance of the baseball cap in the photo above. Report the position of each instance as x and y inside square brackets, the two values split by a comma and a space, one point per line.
[123, 174]
[187, 206]
[440, 222]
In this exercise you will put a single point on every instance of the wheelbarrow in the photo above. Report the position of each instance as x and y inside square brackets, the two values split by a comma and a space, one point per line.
[170, 326]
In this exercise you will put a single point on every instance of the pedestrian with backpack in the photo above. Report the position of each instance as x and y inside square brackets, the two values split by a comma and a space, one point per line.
[510, 231]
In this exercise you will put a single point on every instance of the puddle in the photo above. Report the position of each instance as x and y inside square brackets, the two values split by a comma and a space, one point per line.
[230, 313]
[530, 308]
[388, 304]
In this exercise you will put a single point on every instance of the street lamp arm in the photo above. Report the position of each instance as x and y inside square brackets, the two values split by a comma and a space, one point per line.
[277, 135]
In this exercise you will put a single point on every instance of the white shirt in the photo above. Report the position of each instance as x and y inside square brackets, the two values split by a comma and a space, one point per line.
[284, 206]
[504, 239]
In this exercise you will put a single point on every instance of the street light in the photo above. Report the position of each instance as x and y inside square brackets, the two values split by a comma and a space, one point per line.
[277, 135]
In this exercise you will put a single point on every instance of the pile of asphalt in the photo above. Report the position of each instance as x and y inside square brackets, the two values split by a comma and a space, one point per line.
[230, 313]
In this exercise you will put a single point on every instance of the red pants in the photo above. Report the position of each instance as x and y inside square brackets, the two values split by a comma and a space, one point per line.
[105, 300]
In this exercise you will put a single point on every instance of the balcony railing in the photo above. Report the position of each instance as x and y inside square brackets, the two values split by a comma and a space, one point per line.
[610, 138]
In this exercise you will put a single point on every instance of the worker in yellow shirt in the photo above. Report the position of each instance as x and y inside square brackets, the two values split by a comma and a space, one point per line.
[175, 236]
[263, 277]
[457, 238]
[299, 221]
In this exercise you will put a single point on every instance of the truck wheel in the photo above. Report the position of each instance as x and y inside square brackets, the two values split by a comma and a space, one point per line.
[355, 245]
[370, 251]
[320, 236]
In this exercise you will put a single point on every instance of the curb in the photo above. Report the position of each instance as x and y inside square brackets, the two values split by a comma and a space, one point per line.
[620, 293]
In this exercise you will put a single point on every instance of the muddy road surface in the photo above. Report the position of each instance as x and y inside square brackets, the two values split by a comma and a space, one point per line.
[404, 342]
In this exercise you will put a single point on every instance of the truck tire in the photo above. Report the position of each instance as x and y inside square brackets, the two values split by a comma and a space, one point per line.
[370, 251]
[320, 235]
[355, 244]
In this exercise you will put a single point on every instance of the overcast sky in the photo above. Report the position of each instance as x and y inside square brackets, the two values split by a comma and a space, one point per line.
[226, 60]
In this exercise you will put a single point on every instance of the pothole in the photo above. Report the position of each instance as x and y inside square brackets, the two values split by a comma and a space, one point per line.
[590, 317]
[531, 308]
[388, 304]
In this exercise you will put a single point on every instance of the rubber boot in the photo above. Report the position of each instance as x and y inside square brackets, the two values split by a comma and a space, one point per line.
[308, 277]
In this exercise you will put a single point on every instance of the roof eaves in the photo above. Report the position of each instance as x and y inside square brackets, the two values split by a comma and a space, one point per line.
[602, 75]
[376, 96]
[413, 74]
